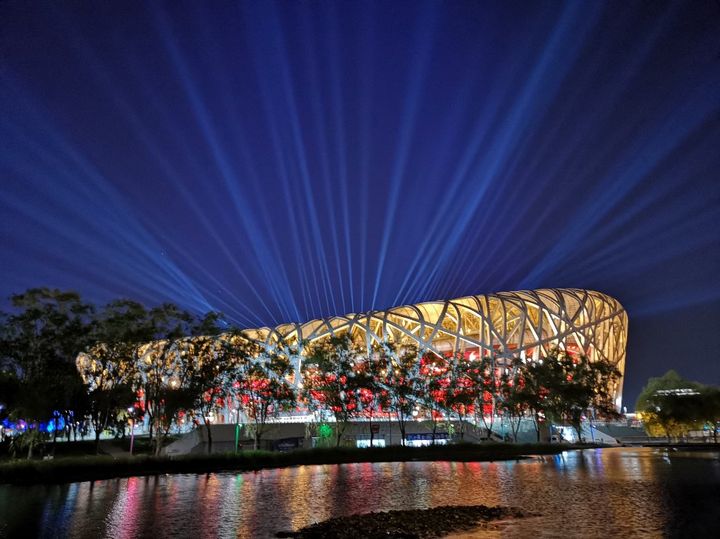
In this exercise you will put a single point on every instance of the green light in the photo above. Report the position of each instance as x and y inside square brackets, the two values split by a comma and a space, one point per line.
[325, 431]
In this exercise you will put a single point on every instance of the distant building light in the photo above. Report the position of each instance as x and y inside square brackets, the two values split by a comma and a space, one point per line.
[679, 391]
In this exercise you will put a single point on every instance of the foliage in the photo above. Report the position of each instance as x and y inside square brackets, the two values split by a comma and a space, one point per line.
[672, 406]
[401, 381]
[372, 374]
[432, 393]
[9, 388]
[207, 364]
[514, 400]
[167, 380]
[562, 387]
[330, 382]
[49, 328]
[258, 379]
[709, 408]
[108, 371]
[461, 389]
[583, 388]
[491, 380]
[39, 342]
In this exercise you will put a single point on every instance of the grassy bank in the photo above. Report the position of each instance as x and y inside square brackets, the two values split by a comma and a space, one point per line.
[89, 468]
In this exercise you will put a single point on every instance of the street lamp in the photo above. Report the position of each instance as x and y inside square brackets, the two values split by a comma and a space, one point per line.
[132, 428]
[237, 425]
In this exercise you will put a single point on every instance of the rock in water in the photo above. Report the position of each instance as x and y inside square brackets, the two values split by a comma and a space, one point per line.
[405, 524]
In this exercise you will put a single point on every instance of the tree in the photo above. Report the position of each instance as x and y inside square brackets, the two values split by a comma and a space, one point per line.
[68, 400]
[563, 387]
[330, 384]
[487, 376]
[402, 382]
[259, 380]
[49, 326]
[513, 400]
[535, 390]
[162, 377]
[206, 365]
[583, 388]
[161, 373]
[373, 397]
[109, 366]
[434, 386]
[669, 406]
[462, 389]
[165, 378]
[709, 408]
[39, 342]
[107, 369]
[9, 388]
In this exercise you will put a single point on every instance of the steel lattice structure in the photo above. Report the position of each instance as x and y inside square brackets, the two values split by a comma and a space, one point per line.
[527, 324]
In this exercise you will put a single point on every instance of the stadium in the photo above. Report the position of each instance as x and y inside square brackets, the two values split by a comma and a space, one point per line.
[525, 324]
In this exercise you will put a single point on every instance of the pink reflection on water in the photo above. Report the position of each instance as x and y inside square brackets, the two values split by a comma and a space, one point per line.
[619, 492]
[123, 521]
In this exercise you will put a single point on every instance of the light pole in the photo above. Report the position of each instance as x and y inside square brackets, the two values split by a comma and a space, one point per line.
[237, 425]
[132, 429]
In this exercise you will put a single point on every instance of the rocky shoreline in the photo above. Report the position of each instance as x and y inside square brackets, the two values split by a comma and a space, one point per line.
[405, 524]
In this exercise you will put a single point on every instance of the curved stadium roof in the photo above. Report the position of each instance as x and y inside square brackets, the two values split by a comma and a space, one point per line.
[527, 323]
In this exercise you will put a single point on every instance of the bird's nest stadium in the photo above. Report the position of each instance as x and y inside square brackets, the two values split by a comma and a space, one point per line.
[526, 324]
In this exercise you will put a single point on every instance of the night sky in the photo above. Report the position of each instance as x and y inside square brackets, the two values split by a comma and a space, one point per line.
[285, 161]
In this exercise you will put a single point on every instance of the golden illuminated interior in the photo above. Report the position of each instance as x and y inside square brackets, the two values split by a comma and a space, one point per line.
[527, 324]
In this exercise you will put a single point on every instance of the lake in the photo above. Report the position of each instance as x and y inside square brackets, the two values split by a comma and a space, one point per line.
[617, 492]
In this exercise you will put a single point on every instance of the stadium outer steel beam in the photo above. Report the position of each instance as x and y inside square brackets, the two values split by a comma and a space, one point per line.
[526, 323]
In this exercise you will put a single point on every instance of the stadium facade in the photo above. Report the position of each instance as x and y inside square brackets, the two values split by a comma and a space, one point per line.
[526, 324]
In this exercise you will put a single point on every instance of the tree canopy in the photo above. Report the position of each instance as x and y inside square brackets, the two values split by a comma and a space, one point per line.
[672, 406]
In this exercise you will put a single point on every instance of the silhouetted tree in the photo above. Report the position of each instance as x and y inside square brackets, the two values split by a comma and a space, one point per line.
[584, 387]
[205, 364]
[39, 342]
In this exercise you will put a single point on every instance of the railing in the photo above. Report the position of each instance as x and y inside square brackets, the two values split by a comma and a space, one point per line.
[663, 440]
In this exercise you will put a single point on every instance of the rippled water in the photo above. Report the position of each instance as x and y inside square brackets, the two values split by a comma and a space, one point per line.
[593, 493]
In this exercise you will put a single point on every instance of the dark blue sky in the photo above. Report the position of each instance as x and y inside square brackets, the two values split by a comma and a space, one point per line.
[283, 161]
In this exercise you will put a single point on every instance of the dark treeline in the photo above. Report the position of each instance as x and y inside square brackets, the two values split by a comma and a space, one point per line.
[42, 391]
[67, 367]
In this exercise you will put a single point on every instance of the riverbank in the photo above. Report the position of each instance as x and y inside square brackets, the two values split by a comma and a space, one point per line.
[74, 469]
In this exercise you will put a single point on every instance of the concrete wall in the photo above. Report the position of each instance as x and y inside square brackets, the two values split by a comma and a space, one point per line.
[307, 435]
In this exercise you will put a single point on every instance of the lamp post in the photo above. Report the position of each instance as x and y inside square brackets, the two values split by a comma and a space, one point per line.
[132, 430]
[237, 425]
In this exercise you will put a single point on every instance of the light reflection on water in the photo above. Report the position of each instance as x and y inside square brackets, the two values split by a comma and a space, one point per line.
[594, 493]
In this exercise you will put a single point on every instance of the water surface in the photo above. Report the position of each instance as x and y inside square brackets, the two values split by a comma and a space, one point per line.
[594, 493]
